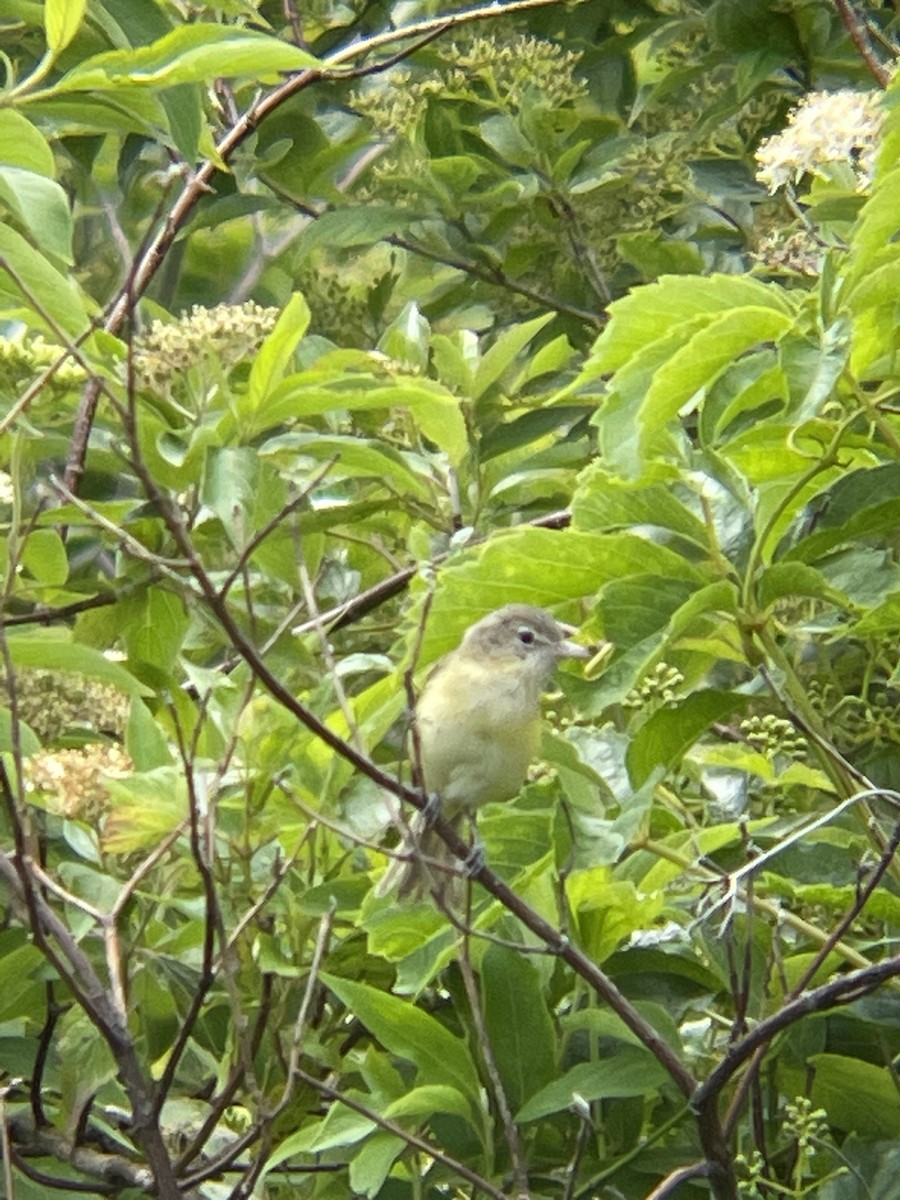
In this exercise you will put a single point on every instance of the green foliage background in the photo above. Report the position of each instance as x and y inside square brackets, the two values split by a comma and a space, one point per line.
[325, 333]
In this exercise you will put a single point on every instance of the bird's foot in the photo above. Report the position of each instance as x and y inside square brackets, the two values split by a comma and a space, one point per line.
[432, 809]
[475, 859]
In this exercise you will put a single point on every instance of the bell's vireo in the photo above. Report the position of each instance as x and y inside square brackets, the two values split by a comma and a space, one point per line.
[478, 723]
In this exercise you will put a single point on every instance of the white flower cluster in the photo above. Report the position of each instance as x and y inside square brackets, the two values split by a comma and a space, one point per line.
[825, 127]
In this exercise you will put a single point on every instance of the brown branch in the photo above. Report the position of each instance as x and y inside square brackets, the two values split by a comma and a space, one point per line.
[862, 898]
[497, 277]
[112, 1171]
[547, 932]
[859, 35]
[844, 990]
[351, 611]
[64, 953]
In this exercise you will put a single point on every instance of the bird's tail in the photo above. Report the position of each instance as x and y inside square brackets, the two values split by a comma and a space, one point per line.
[422, 866]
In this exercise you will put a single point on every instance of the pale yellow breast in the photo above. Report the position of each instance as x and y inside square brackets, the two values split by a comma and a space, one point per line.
[479, 728]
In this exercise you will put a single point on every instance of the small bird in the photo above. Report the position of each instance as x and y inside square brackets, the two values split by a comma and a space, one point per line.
[478, 727]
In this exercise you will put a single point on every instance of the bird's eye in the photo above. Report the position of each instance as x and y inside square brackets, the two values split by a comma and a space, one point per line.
[526, 635]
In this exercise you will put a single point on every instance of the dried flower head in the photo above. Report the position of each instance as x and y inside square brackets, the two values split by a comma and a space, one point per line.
[825, 127]
[72, 782]
[52, 702]
[796, 251]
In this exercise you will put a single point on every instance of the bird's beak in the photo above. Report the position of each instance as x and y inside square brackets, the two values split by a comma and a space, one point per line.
[567, 649]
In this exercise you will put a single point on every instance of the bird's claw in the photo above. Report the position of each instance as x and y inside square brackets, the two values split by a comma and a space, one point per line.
[475, 859]
[432, 809]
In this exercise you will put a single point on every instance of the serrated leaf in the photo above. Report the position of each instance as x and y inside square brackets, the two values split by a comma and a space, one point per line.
[542, 567]
[602, 501]
[795, 579]
[650, 312]
[700, 361]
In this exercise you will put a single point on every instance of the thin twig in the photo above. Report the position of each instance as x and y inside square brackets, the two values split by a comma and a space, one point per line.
[412, 1139]
[859, 35]
[507, 1120]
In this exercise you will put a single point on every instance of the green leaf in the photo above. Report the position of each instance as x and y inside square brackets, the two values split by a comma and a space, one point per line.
[856, 1095]
[519, 1027]
[699, 362]
[370, 1165]
[41, 206]
[883, 618]
[630, 1072]
[30, 285]
[607, 911]
[503, 353]
[146, 808]
[348, 228]
[406, 339]
[44, 557]
[635, 607]
[22, 145]
[357, 458]
[424, 1102]
[62, 19]
[655, 255]
[650, 312]
[59, 653]
[795, 579]
[438, 1056]
[602, 501]
[275, 354]
[145, 741]
[20, 986]
[156, 622]
[542, 567]
[28, 740]
[231, 483]
[502, 134]
[663, 739]
[434, 409]
[813, 368]
[183, 104]
[189, 54]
